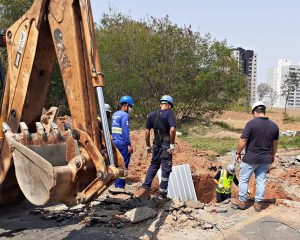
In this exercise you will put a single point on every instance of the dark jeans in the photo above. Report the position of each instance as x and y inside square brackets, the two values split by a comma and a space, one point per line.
[222, 197]
[160, 157]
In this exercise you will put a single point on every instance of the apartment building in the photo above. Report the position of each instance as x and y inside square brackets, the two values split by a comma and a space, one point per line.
[247, 60]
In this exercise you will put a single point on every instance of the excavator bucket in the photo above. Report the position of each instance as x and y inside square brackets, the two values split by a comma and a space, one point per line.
[44, 173]
[35, 175]
[39, 179]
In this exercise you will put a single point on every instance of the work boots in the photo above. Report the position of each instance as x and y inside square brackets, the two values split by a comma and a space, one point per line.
[142, 193]
[239, 204]
[257, 206]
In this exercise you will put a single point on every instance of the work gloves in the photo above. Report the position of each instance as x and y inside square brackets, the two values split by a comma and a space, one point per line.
[149, 149]
[172, 148]
[130, 149]
[125, 172]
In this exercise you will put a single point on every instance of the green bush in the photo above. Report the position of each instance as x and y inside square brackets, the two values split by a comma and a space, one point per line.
[289, 142]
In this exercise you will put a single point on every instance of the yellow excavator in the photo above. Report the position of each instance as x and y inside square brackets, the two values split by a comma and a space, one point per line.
[47, 164]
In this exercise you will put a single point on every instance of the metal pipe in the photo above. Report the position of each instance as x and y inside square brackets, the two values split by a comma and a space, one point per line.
[105, 125]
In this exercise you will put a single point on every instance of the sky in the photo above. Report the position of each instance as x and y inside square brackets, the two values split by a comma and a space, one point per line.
[270, 28]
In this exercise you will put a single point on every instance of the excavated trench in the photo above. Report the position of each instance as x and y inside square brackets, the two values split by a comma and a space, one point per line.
[206, 193]
[204, 187]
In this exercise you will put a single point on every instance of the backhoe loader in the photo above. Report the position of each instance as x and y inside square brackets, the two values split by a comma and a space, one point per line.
[44, 165]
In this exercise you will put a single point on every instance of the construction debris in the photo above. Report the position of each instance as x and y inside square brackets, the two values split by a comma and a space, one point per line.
[106, 213]
[140, 214]
[114, 191]
[288, 161]
[194, 204]
[290, 133]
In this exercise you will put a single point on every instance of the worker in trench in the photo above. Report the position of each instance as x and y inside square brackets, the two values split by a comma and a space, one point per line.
[121, 134]
[223, 180]
[163, 123]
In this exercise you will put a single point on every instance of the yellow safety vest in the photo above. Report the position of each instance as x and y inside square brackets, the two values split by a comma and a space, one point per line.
[226, 182]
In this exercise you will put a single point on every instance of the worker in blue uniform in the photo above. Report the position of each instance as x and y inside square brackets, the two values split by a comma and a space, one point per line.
[121, 134]
[163, 124]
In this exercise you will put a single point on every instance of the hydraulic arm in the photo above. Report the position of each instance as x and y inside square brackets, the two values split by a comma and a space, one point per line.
[54, 165]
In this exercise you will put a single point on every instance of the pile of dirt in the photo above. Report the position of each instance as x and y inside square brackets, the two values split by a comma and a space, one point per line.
[202, 168]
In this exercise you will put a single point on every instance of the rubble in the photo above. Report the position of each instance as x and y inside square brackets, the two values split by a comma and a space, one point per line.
[206, 226]
[215, 209]
[140, 214]
[187, 210]
[110, 200]
[137, 202]
[106, 213]
[288, 203]
[59, 215]
[91, 221]
[176, 204]
[194, 204]
[288, 161]
[116, 191]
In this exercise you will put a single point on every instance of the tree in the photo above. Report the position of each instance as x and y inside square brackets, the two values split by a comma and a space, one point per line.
[10, 12]
[289, 86]
[273, 95]
[263, 90]
[153, 57]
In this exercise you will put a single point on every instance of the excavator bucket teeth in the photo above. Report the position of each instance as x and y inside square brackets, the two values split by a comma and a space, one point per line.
[35, 175]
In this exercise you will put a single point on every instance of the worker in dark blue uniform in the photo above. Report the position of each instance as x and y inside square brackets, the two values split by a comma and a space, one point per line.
[163, 123]
[121, 134]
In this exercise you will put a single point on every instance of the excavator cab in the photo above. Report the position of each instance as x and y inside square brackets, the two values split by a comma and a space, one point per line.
[40, 159]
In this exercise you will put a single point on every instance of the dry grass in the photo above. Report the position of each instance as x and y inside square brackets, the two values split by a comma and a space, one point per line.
[238, 120]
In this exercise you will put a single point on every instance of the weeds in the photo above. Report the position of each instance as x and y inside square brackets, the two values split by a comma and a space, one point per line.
[288, 142]
[226, 126]
[289, 119]
[219, 145]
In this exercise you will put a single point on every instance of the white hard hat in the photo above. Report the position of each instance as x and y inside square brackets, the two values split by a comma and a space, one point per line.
[231, 168]
[258, 103]
[107, 108]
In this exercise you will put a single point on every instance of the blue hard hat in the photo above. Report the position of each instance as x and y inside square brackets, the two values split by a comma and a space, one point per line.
[126, 99]
[168, 99]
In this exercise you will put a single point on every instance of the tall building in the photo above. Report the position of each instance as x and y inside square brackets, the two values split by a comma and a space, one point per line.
[247, 60]
[280, 73]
